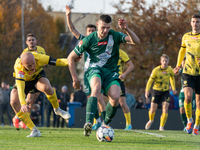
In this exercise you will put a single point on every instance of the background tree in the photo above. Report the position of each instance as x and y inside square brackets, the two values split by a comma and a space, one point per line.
[36, 21]
[160, 28]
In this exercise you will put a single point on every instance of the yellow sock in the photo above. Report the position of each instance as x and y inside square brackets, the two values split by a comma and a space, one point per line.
[99, 114]
[26, 119]
[94, 121]
[188, 109]
[128, 118]
[163, 119]
[151, 116]
[197, 120]
[53, 99]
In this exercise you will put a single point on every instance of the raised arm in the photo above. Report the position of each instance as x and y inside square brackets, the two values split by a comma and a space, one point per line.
[70, 24]
[132, 37]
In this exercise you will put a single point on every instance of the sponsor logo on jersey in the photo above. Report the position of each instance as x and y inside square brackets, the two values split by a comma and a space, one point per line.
[102, 43]
[194, 38]
[164, 72]
[80, 43]
[21, 74]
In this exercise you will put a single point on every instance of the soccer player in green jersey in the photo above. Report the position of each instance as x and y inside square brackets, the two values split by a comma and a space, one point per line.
[103, 49]
[190, 48]
[89, 29]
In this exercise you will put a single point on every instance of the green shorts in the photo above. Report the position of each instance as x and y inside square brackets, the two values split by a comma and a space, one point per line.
[107, 77]
[182, 98]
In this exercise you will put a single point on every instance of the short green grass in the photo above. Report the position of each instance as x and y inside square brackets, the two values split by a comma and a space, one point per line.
[73, 138]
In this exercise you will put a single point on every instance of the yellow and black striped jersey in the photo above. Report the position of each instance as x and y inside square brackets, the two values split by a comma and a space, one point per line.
[190, 48]
[123, 58]
[39, 50]
[161, 78]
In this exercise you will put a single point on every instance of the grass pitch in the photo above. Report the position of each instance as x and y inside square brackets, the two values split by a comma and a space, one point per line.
[73, 138]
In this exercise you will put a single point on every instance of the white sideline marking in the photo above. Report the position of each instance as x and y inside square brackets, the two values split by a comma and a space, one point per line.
[158, 135]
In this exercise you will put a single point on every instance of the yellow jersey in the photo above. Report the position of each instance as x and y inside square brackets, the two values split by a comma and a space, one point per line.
[161, 78]
[123, 58]
[39, 50]
[190, 48]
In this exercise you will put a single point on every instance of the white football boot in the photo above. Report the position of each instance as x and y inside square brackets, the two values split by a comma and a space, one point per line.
[35, 133]
[64, 114]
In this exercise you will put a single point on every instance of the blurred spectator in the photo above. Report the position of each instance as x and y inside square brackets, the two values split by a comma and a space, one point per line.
[171, 103]
[176, 99]
[35, 112]
[64, 98]
[139, 103]
[5, 103]
[147, 104]
[50, 109]
[130, 99]
[80, 96]
[41, 102]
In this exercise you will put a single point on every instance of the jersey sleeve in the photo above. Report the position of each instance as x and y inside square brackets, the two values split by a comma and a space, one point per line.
[181, 53]
[124, 55]
[82, 46]
[81, 37]
[172, 80]
[43, 59]
[120, 37]
[151, 80]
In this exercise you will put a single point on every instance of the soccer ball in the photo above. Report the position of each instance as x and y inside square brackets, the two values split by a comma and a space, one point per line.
[105, 134]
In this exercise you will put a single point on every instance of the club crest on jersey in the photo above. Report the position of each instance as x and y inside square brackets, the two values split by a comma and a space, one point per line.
[80, 43]
[102, 43]
[164, 72]
[21, 74]
[194, 38]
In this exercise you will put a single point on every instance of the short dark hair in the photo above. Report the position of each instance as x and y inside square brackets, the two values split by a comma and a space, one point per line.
[91, 26]
[30, 34]
[196, 16]
[105, 18]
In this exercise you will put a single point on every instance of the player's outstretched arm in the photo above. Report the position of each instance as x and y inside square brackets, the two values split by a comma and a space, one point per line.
[70, 24]
[132, 37]
[71, 63]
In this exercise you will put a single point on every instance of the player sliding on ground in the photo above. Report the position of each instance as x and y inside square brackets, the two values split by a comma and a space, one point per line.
[29, 75]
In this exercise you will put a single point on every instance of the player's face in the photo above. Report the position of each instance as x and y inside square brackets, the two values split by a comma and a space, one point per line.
[103, 29]
[30, 65]
[164, 63]
[195, 23]
[31, 42]
[90, 30]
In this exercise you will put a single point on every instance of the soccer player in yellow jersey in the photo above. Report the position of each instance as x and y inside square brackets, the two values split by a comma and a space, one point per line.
[124, 60]
[32, 95]
[161, 76]
[29, 75]
[190, 48]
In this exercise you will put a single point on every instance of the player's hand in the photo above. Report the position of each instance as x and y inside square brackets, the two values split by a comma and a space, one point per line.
[146, 94]
[175, 92]
[79, 58]
[25, 108]
[122, 76]
[68, 10]
[122, 24]
[176, 70]
[76, 84]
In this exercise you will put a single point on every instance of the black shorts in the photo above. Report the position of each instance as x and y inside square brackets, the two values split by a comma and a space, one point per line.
[160, 96]
[30, 85]
[123, 91]
[191, 81]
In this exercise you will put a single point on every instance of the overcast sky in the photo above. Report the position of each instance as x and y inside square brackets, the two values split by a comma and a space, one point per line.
[84, 6]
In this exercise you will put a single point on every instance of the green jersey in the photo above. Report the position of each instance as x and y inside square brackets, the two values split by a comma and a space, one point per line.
[102, 52]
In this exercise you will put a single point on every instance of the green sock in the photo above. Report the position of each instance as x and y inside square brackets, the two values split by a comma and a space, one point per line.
[103, 115]
[91, 109]
[96, 116]
[184, 119]
[110, 113]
